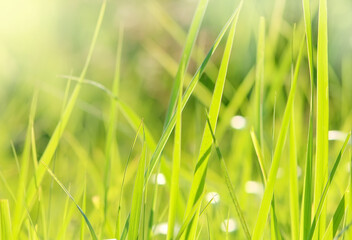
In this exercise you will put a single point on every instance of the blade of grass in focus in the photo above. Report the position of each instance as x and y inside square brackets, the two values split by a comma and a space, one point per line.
[178, 87]
[5, 220]
[201, 169]
[294, 204]
[269, 189]
[322, 152]
[308, 176]
[56, 136]
[182, 67]
[314, 230]
[259, 84]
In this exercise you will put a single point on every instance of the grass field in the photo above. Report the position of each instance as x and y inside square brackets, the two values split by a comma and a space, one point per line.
[190, 119]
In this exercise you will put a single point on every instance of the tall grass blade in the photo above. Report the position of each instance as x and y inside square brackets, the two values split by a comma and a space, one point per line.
[259, 83]
[269, 189]
[191, 38]
[294, 204]
[308, 177]
[205, 148]
[322, 152]
[5, 220]
[178, 86]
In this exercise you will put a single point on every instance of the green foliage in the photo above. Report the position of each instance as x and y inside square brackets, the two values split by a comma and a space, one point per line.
[132, 149]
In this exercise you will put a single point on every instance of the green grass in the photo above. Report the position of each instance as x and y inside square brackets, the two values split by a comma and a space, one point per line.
[189, 120]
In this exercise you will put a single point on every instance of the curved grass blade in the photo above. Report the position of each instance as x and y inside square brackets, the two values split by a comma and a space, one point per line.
[55, 138]
[205, 147]
[92, 233]
[269, 189]
[320, 205]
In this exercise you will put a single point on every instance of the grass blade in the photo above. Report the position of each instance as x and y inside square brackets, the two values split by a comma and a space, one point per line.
[182, 67]
[204, 152]
[322, 152]
[308, 177]
[259, 84]
[269, 189]
[5, 220]
[294, 204]
[178, 86]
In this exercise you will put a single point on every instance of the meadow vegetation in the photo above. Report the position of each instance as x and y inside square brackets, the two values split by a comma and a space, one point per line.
[192, 119]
